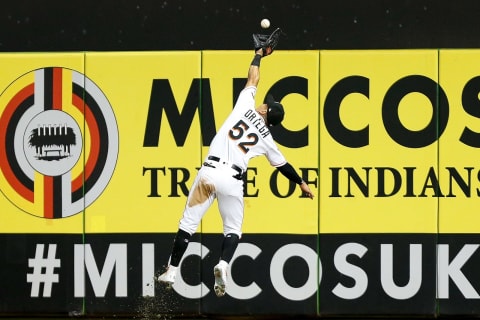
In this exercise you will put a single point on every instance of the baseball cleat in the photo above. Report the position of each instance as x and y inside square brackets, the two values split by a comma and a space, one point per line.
[168, 277]
[220, 273]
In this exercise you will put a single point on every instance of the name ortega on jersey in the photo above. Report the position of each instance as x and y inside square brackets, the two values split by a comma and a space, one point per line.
[257, 122]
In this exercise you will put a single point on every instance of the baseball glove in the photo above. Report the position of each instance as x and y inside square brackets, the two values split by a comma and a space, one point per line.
[267, 42]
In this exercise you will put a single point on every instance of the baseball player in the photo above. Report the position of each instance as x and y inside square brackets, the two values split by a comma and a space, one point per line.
[245, 134]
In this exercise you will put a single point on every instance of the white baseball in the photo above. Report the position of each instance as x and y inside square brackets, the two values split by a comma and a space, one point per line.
[265, 23]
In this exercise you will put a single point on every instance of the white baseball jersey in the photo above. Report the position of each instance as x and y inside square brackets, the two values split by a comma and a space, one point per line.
[245, 135]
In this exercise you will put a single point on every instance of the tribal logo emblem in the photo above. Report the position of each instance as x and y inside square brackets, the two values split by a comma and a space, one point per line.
[58, 142]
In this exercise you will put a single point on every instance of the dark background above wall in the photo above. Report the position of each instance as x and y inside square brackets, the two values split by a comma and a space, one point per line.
[72, 25]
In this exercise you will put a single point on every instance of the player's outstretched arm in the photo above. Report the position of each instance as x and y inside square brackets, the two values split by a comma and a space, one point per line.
[289, 172]
[254, 69]
[306, 190]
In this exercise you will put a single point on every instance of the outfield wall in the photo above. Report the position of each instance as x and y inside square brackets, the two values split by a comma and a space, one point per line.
[98, 150]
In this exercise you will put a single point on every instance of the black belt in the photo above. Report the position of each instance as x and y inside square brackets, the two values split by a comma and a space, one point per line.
[238, 176]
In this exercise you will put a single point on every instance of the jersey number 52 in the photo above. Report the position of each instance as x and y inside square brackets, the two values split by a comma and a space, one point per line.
[245, 141]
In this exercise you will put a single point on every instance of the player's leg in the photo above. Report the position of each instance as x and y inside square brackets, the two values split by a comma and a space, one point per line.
[180, 244]
[220, 271]
[229, 245]
[200, 198]
[231, 209]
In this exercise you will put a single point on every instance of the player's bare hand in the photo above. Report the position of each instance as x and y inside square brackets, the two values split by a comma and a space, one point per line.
[306, 190]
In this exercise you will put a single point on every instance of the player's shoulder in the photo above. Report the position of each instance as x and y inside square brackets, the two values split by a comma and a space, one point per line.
[246, 98]
[250, 89]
